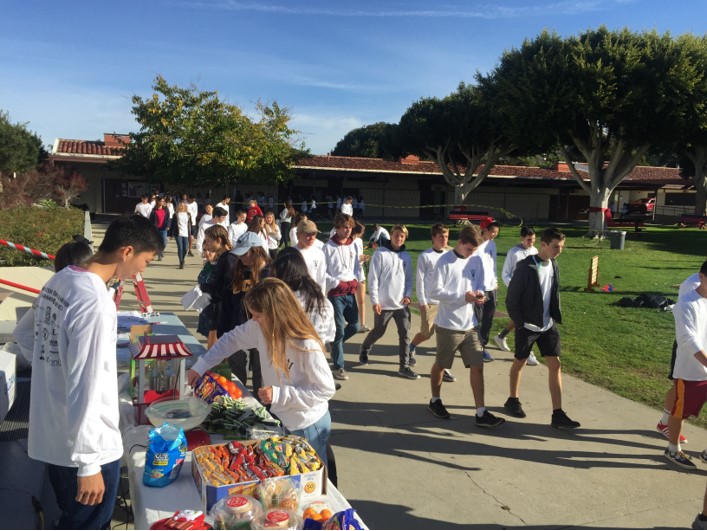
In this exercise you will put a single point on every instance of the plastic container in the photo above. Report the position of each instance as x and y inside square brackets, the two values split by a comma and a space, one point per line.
[235, 512]
[277, 519]
[618, 239]
[187, 412]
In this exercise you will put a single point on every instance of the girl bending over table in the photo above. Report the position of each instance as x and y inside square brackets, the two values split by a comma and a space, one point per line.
[297, 381]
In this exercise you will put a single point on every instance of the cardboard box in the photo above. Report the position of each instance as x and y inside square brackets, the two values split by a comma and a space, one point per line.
[7, 382]
[311, 484]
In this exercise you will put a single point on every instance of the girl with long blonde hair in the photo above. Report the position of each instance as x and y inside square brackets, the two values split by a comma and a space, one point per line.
[297, 381]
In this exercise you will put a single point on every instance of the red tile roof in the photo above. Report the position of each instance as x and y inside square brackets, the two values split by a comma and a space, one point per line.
[85, 147]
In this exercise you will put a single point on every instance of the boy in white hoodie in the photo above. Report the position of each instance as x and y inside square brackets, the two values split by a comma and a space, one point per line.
[390, 289]
[342, 263]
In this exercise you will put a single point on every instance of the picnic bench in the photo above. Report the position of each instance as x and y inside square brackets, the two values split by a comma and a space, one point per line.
[635, 222]
[692, 220]
[462, 217]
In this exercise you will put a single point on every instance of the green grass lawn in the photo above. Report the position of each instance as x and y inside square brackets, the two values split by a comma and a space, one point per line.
[625, 350]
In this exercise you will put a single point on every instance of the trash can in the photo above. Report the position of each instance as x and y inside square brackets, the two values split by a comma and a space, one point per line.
[618, 239]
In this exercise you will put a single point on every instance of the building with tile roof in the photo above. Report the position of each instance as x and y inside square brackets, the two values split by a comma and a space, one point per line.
[408, 188]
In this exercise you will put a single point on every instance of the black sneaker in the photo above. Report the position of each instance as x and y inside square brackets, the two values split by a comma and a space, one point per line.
[514, 408]
[438, 409]
[448, 376]
[412, 360]
[488, 420]
[561, 421]
[407, 372]
[363, 357]
[680, 459]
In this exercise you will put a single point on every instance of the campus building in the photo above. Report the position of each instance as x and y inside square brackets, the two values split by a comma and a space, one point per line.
[407, 188]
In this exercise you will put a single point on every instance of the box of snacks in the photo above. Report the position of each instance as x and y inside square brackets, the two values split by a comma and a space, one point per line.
[238, 467]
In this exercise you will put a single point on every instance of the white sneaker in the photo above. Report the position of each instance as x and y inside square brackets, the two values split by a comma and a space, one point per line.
[532, 360]
[501, 343]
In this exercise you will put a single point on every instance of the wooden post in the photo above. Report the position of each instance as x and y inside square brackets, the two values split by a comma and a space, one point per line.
[593, 276]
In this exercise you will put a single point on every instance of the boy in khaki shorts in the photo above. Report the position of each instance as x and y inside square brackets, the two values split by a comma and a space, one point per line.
[458, 287]
[426, 262]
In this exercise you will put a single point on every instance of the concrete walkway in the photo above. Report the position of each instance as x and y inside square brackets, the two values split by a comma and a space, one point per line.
[402, 468]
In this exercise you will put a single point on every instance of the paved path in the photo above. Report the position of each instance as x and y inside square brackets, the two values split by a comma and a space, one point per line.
[402, 468]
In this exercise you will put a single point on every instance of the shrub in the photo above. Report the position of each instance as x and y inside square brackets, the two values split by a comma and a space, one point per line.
[44, 229]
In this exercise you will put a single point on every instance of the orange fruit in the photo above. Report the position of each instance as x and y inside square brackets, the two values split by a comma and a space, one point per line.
[326, 514]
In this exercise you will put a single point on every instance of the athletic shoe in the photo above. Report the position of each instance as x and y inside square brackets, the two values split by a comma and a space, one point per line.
[363, 357]
[663, 428]
[340, 374]
[561, 421]
[488, 420]
[438, 409]
[699, 524]
[407, 372]
[487, 356]
[413, 360]
[532, 360]
[190, 253]
[448, 376]
[501, 343]
[680, 459]
[703, 456]
[514, 408]
[363, 328]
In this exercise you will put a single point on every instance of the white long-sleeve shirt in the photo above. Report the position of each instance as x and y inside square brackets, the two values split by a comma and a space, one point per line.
[342, 262]
[390, 278]
[74, 416]
[228, 212]
[316, 265]
[688, 285]
[321, 318]
[454, 278]
[690, 314]
[487, 252]
[193, 209]
[426, 262]
[236, 230]
[358, 243]
[299, 400]
[202, 229]
[515, 255]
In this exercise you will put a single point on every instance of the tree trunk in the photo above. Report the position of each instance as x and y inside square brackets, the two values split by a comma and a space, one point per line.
[598, 200]
[700, 193]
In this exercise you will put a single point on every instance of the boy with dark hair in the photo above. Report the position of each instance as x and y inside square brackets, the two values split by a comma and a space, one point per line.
[390, 289]
[458, 280]
[426, 262]
[342, 263]
[74, 416]
[690, 371]
[515, 254]
[486, 311]
[533, 303]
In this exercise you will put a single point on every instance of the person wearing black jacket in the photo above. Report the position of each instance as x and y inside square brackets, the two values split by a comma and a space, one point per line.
[533, 303]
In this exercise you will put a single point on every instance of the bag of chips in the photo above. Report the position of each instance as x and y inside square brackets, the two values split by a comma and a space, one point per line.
[165, 455]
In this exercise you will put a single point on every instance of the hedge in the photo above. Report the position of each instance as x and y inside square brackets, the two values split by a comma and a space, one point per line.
[44, 229]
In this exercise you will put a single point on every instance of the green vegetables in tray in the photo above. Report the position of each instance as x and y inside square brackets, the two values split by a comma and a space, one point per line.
[234, 417]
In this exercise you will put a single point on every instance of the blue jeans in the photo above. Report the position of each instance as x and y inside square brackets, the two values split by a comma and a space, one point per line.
[163, 233]
[346, 320]
[317, 435]
[182, 247]
[75, 515]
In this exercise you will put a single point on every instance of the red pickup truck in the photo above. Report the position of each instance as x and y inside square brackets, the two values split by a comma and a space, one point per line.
[645, 206]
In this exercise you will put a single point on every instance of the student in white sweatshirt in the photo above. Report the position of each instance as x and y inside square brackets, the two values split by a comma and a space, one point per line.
[485, 312]
[458, 288]
[426, 262]
[74, 415]
[297, 382]
[390, 290]
[515, 254]
[313, 256]
[238, 227]
[342, 273]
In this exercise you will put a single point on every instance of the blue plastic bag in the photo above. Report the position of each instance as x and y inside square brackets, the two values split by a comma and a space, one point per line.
[165, 455]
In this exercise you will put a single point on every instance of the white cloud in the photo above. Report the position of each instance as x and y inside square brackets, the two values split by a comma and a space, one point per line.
[321, 130]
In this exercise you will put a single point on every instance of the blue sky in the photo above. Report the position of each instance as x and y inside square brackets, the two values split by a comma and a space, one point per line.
[69, 68]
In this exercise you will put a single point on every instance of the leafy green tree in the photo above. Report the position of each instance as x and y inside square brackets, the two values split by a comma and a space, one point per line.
[193, 137]
[691, 140]
[20, 149]
[609, 94]
[460, 133]
[377, 140]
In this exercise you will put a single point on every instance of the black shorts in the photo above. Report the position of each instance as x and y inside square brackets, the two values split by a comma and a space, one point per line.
[548, 342]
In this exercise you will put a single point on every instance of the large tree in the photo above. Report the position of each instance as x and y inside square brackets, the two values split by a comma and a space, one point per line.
[377, 140]
[609, 94]
[20, 149]
[691, 140]
[459, 132]
[193, 137]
